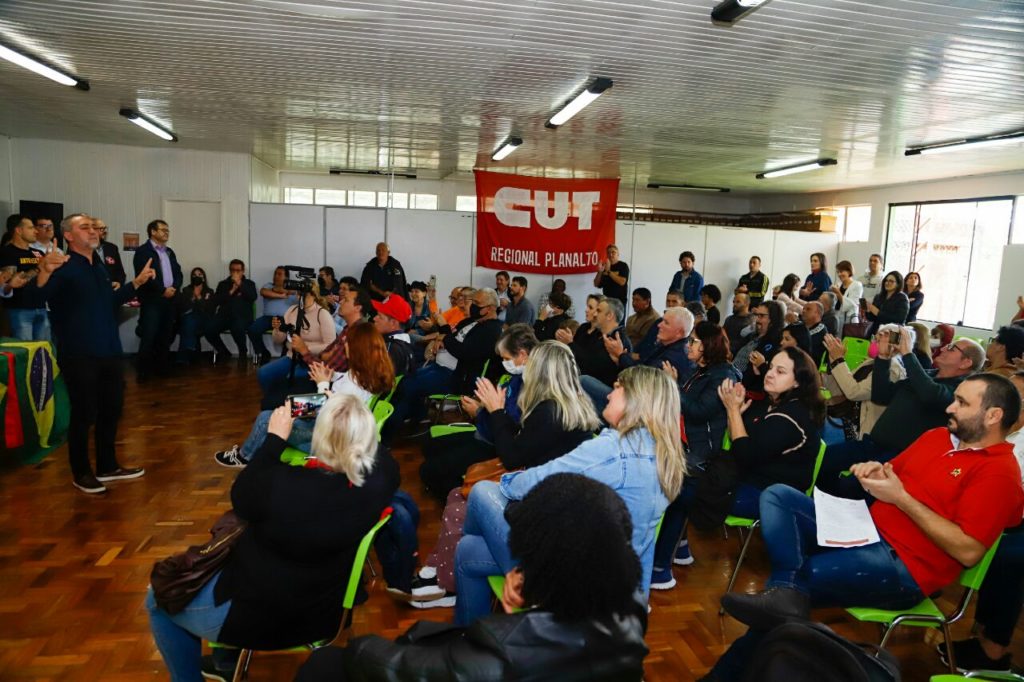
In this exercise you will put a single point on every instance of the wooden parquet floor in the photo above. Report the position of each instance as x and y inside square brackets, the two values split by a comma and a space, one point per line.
[74, 568]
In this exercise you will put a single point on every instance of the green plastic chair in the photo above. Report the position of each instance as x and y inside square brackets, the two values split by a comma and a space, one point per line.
[441, 399]
[245, 656]
[992, 675]
[381, 411]
[927, 614]
[742, 523]
[294, 457]
[856, 351]
[442, 430]
[386, 398]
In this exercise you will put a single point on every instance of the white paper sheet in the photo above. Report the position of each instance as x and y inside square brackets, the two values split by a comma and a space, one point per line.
[842, 522]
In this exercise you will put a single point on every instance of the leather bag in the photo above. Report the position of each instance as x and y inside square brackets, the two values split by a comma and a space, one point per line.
[177, 579]
[488, 470]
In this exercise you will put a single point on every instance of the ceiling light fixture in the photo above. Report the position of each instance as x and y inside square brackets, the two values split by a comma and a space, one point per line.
[730, 11]
[577, 103]
[510, 144]
[799, 168]
[34, 64]
[969, 143]
[351, 171]
[692, 188]
[148, 125]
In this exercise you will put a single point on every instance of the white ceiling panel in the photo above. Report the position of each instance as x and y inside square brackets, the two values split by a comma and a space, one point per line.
[434, 86]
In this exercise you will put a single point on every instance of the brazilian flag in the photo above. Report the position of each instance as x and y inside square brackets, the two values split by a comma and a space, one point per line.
[41, 396]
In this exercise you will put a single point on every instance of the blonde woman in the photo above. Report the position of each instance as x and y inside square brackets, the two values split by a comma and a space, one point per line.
[556, 418]
[639, 456]
[279, 586]
[317, 333]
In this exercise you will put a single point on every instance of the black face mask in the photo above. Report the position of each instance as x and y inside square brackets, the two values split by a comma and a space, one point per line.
[197, 280]
[475, 312]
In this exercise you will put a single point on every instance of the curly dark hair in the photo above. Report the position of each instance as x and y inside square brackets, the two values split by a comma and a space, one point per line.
[560, 531]
[808, 388]
[715, 343]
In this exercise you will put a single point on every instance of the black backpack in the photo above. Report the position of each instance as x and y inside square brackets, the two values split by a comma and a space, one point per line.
[811, 652]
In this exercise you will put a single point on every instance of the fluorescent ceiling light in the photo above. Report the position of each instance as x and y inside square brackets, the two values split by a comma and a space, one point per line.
[385, 173]
[510, 144]
[577, 103]
[800, 168]
[692, 188]
[970, 143]
[144, 123]
[36, 66]
[729, 11]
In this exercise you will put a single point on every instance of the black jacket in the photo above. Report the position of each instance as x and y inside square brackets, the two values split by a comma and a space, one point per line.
[537, 441]
[591, 357]
[204, 305]
[112, 262]
[389, 277]
[781, 445]
[545, 329]
[892, 310]
[531, 645]
[154, 288]
[237, 305]
[703, 411]
[400, 352]
[473, 351]
[287, 575]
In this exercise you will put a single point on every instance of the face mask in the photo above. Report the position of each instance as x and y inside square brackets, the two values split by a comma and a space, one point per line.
[474, 312]
[511, 367]
[934, 343]
[197, 280]
[873, 349]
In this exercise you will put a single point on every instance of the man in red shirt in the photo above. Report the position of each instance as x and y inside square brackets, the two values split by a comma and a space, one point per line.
[933, 510]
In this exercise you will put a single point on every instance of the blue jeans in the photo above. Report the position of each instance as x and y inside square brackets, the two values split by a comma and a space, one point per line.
[842, 456]
[427, 380]
[597, 391]
[190, 330]
[483, 551]
[29, 324]
[871, 576]
[274, 375]
[301, 437]
[180, 637]
[256, 330]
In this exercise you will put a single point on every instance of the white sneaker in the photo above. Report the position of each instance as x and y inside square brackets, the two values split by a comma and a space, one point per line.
[230, 458]
[446, 601]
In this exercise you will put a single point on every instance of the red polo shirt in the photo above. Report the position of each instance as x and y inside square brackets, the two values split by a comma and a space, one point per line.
[978, 490]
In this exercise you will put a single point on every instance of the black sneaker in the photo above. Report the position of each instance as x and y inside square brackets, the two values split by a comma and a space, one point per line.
[121, 473]
[210, 672]
[971, 656]
[230, 458]
[88, 483]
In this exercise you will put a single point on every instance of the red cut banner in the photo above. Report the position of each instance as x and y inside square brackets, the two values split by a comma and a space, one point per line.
[546, 225]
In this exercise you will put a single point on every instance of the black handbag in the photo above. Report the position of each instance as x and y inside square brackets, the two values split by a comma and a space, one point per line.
[716, 491]
[177, 579]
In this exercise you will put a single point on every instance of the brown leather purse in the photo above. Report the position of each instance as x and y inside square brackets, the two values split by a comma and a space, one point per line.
[488, 470]
[177, 579]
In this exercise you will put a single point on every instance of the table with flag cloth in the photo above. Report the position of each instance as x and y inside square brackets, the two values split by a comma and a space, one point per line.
[34, 407]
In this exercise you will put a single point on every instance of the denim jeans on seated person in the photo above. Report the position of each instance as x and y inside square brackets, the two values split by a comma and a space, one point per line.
[597, 391]
[1001, 596]
[274, 374]
[870, 576]
[301, 437]
[483, 551]
[180, 637]
[427, 380]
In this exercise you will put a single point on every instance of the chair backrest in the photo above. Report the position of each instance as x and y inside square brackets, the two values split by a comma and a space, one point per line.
[487, 363]
[357, 563]
[856, 351]
[386, 398]
[381, 411]
[973, 577]
[817, 467]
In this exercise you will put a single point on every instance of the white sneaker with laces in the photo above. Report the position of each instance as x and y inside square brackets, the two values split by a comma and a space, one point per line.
[230, 458]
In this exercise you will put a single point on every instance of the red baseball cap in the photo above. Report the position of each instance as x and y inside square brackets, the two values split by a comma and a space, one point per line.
[394, 306]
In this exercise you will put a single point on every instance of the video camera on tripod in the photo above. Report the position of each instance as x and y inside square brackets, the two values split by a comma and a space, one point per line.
[299, 279]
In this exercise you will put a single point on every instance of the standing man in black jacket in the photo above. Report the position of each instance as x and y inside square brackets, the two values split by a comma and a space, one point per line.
[383, 275]
[109, 256]
[234, 299]
[156, 316]
[82, 303]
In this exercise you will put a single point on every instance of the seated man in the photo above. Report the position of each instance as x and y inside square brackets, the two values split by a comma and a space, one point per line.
[276, 300]
[233, 299]
[932, 508]
[644, 316]
[831, 318]
[460, 360]
[816, 330]
[914, 405]
[392, 314]
[673, 299]
[587, 343]
[580, 624]
[670, 349]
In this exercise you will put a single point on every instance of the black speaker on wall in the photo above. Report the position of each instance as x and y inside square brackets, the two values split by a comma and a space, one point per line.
[45, 209]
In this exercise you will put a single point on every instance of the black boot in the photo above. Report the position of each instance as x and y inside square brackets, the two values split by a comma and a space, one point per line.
[767, 609]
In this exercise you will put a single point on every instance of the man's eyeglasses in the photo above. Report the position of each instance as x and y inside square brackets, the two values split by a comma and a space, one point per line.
[761, 315]
[953, 346]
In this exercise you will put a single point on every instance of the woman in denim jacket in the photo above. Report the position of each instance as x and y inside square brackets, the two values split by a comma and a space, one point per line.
[640, 457]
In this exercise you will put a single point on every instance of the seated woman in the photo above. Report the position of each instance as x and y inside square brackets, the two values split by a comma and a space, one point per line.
[195, 310]
[552, 316]
[282, 584]
[420, 313]
[891, 305]
[370, 373]
[556, 418]
[639, 456]
[446, 459]
[793, 336]
[317, 333]
[775, 440]
[583, 625]
[705, 420]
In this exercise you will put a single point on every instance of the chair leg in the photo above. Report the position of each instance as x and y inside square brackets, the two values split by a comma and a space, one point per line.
[369, 565]
[242, 666]
[948, 636]
[887, 630]
[739, 561]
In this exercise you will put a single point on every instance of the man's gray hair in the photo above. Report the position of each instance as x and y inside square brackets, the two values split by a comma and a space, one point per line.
[831, 299]
[491, 294]
[816, 304]
[615, 305]
[65, 225]
[680, 316]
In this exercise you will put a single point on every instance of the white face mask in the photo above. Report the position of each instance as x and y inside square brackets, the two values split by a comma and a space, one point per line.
[511, 367]
[934, 343]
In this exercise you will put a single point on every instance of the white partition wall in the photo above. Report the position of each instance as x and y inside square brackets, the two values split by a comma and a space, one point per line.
[656, 249]
[284, 234]
[792, 253]
[433, 243]
[351, 236]
[726, 257]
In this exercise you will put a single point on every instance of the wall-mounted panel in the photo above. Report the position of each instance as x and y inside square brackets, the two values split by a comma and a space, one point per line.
[284, 234]
[726, 258]
[793, 251]
[433, 243]
[656, 249]
[352, 235]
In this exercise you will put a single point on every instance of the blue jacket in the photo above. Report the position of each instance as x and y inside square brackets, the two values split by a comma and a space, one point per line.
[626, 464]
[703, 411]
[821, 282]
[674, 353]
[691, 290]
